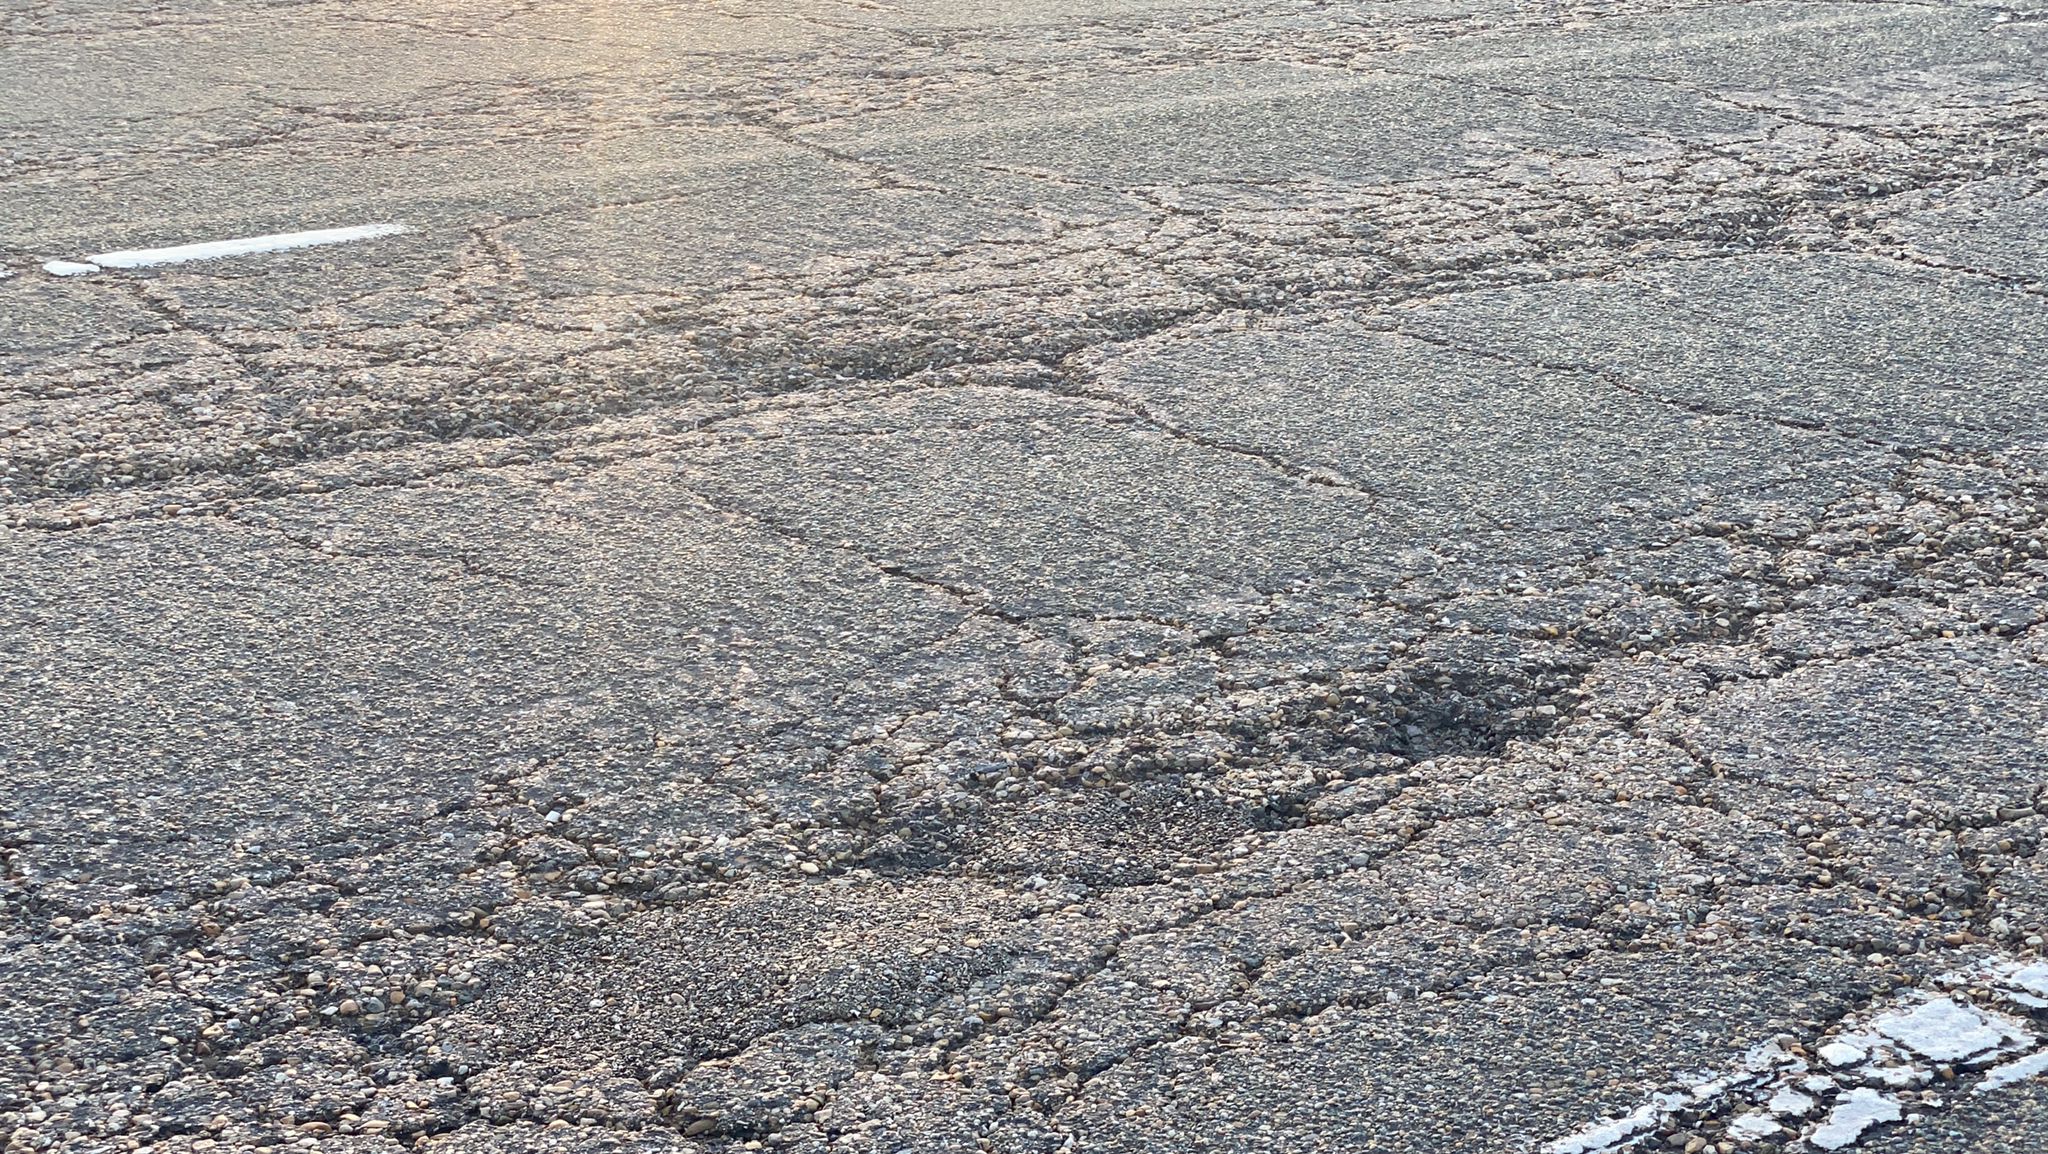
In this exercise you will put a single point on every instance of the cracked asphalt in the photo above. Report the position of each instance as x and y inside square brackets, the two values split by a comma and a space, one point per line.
[980, 575]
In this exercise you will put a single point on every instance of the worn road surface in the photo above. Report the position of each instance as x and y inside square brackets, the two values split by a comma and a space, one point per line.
[1025, 575]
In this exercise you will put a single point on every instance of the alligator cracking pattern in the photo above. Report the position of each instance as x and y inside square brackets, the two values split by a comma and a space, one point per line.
[1341, 577]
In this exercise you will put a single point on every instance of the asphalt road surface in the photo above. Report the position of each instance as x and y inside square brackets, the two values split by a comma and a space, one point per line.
[1024, 575]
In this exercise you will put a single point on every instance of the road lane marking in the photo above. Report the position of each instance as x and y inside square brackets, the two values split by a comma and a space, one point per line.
[1870, 1072]
[245, 246]
[68, 268]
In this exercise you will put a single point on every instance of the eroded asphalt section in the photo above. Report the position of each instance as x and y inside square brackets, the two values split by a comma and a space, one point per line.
[954, 575]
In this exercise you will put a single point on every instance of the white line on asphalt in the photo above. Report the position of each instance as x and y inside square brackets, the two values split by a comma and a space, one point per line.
[68, 268]
[1897, 1046]
[2014, 1072]
[246, 246]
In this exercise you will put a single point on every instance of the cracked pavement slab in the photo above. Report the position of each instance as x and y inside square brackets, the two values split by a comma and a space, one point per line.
[952, 575]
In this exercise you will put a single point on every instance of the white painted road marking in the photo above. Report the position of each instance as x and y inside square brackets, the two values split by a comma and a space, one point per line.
[2014, 1072]
[246, 246]
[1896, 1045]
[68, 268]
[1855, 1112]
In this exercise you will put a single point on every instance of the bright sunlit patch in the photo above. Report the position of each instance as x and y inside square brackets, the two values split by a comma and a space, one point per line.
[246, 246]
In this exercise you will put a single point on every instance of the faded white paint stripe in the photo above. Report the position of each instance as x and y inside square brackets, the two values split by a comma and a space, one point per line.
[2014, 1072]
[68, 268]
[1897, 1044]
[246, 246]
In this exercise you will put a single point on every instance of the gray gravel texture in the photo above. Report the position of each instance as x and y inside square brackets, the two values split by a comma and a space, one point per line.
[970, 575]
